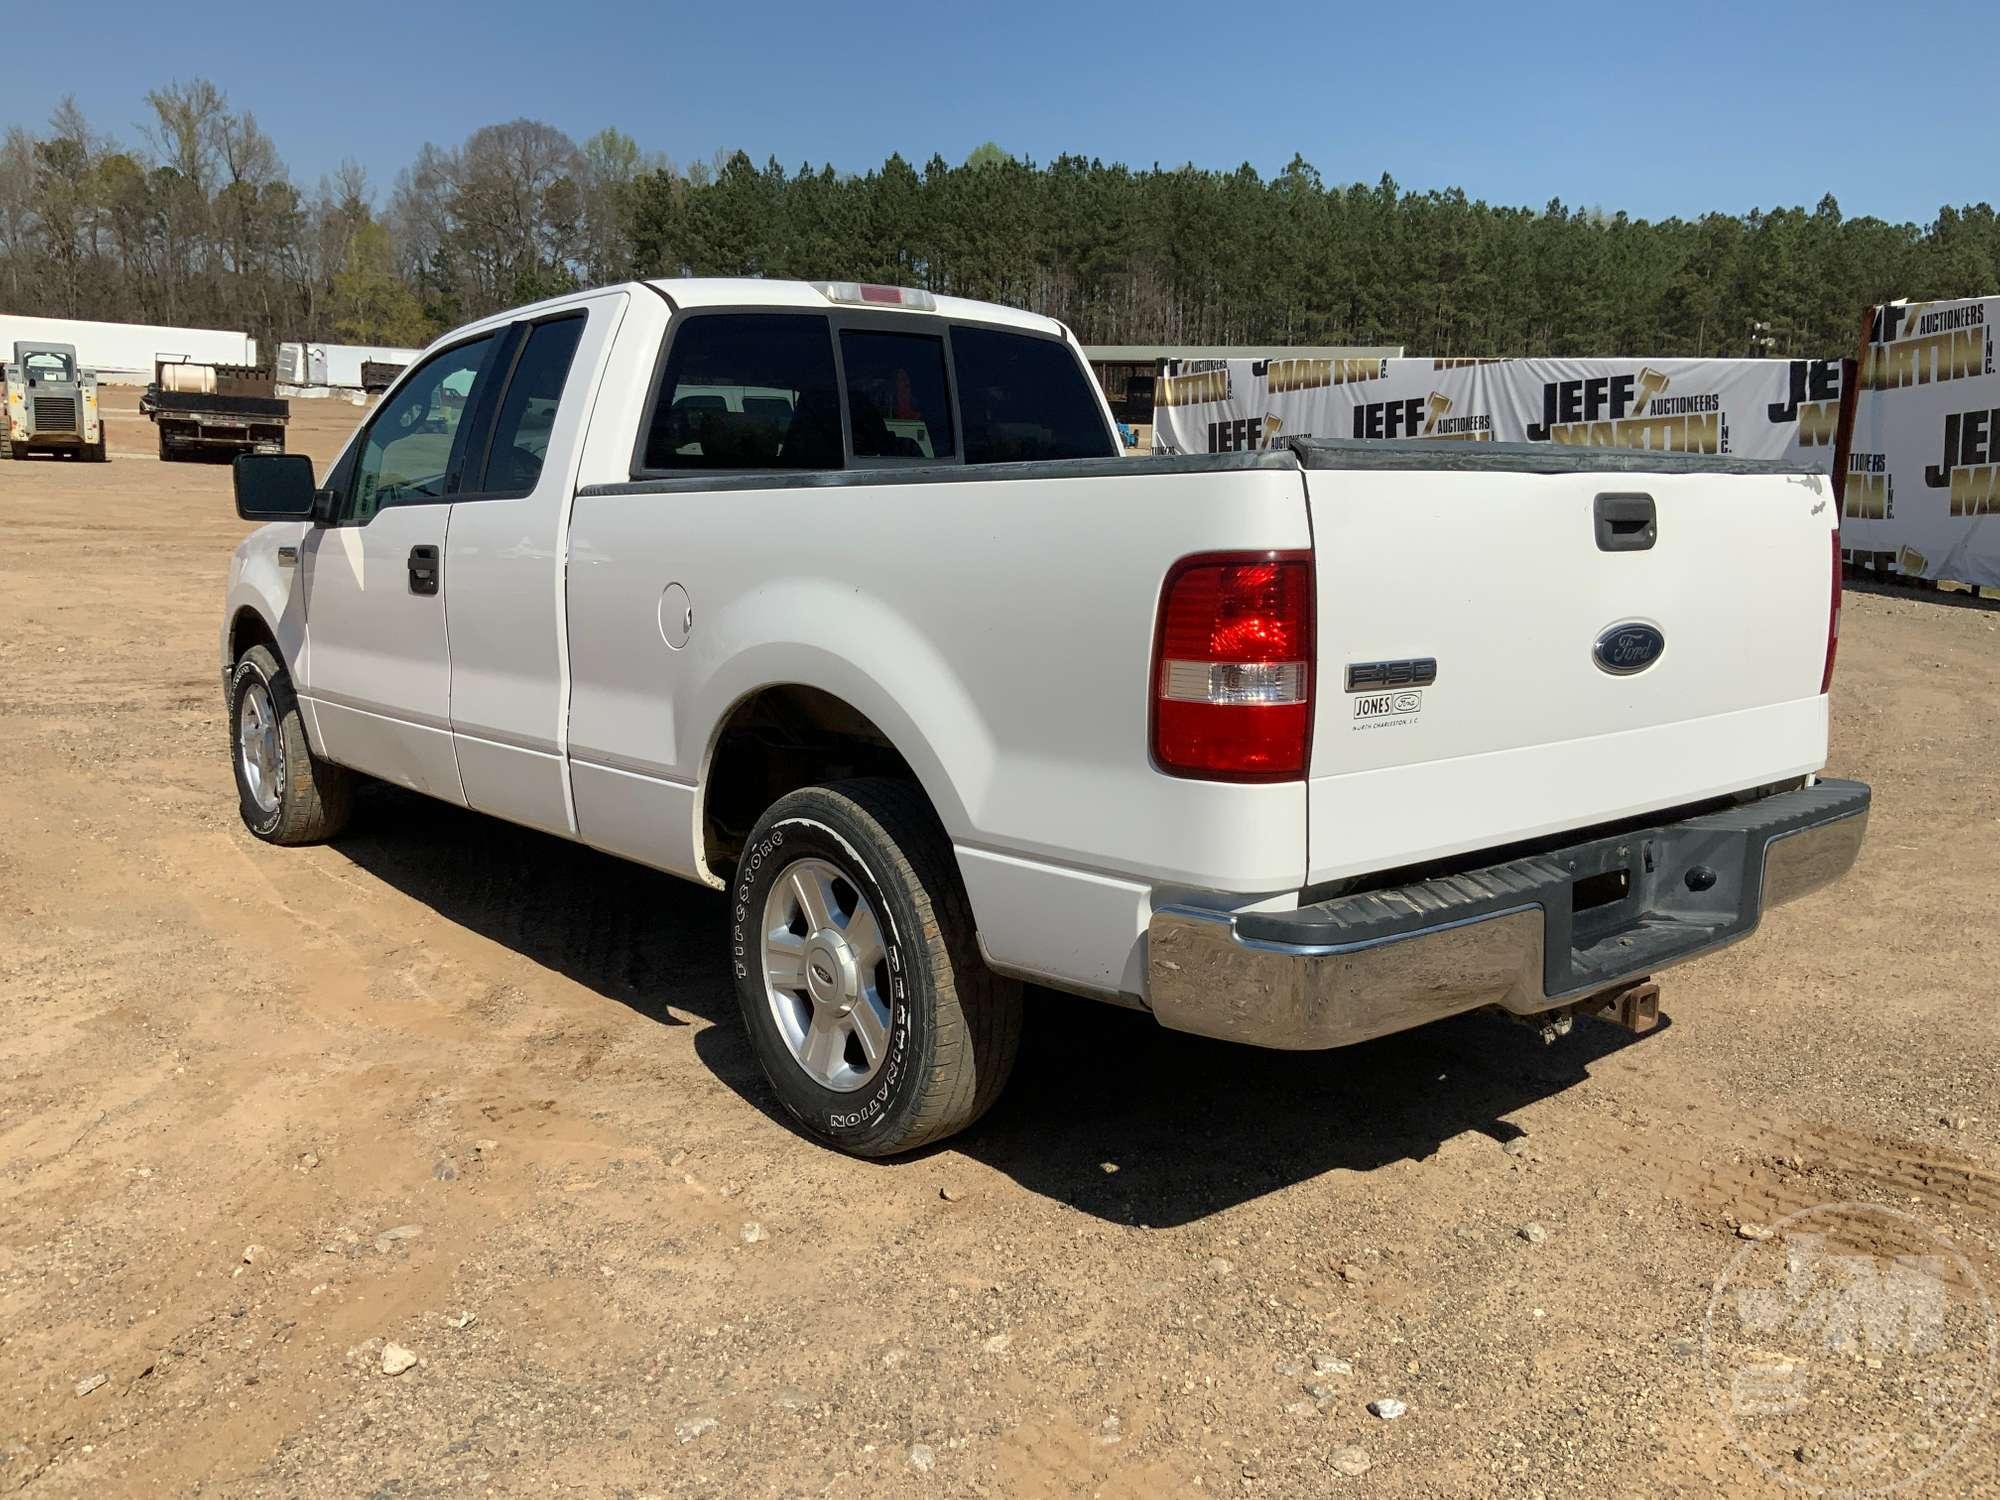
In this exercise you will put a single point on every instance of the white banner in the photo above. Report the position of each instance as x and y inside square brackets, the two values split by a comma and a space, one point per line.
[1752, 408]
[1923, 470]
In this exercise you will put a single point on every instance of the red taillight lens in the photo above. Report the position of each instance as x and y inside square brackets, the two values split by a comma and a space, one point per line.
[1232, 671]
[1832, 619]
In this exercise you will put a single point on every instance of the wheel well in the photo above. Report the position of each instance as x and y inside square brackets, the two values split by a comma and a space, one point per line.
[776, 741]
[248, 629]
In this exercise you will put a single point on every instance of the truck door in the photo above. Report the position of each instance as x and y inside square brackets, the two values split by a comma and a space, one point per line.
[377, 669]
[505, 562]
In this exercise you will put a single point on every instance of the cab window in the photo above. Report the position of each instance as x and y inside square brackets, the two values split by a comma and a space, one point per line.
[414, 439]
[528, 410]
[746, 391]
[1025, 398]
[898, 405]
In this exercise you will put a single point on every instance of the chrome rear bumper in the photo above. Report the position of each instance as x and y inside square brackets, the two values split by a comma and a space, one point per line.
[1530, 935]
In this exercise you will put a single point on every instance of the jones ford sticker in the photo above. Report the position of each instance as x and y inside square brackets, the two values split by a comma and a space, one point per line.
[1384, 710]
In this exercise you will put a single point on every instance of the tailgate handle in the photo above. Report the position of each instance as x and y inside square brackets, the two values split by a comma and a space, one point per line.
[1626, 523]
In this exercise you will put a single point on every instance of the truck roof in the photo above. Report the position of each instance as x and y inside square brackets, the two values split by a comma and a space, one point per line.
[751, 291]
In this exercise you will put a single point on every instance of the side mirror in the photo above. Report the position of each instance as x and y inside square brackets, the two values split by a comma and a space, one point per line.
[274, 486]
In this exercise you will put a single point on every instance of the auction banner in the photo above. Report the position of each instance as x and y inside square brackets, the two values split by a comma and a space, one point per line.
[1753, 408]
[1923, 469]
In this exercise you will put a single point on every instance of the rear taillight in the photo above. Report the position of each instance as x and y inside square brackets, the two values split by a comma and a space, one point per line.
[1832, 619]
[1232, 667]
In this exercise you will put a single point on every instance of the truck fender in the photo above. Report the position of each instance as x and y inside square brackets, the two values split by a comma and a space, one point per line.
[812, 633]
[259, 586]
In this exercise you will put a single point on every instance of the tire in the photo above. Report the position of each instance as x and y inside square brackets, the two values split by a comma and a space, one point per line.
[163, 445]
[946, 1028]
[95, 452]
[287, 795]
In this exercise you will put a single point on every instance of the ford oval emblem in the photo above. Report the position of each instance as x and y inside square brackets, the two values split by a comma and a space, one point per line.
[1628, 648]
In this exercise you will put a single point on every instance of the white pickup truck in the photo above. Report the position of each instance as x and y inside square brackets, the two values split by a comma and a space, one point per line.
[840, 598]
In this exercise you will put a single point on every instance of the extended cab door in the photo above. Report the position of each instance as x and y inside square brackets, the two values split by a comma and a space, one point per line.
[377, 671]
[504, 558]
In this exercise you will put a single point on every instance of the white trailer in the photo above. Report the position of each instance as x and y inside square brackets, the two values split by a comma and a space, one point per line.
[123, 353]
[336, 365]
[301, 364]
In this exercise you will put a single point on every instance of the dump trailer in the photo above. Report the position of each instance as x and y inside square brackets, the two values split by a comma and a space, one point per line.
[48, 404]
[201, 408]
[377, 375]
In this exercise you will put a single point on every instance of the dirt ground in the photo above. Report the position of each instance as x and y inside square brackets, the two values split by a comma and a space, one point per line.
[475, 1092]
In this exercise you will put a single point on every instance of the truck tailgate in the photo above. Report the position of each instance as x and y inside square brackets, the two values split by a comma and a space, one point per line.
[1499, 576]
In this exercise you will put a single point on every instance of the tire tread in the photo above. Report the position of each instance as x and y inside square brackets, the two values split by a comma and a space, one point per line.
[319, 795]
[977, 1015]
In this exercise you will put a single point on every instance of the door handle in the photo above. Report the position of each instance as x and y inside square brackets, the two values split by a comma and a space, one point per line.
[423, 570]
[1626, 523]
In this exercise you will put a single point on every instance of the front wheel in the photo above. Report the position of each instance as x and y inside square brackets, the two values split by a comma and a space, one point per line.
[287, 795]
[867, 1002]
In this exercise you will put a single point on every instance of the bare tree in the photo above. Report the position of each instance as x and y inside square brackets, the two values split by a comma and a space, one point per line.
[18, 221]
[64, 200]
[612, 165]
[518, 197]
[419, 221]
[189, 123]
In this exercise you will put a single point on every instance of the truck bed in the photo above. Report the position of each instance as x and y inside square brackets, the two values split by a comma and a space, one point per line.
[1527, 458]
[194, 422]
[192, 405]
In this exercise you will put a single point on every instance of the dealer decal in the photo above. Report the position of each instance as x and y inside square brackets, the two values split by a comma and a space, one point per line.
[1385, 710]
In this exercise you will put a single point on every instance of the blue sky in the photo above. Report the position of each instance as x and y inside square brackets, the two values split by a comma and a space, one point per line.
[1656, 108]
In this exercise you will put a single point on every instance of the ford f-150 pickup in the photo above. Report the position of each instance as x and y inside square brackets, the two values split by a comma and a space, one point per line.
[843, 600]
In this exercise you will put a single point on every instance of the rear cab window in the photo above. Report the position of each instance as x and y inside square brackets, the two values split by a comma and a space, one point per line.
[751, 390]
[44, 366]
[1024, 397]
[898, 404]
[776, 390]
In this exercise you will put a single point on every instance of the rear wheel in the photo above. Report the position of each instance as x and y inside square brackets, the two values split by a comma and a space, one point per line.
[287, 795]
[879, 1025]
